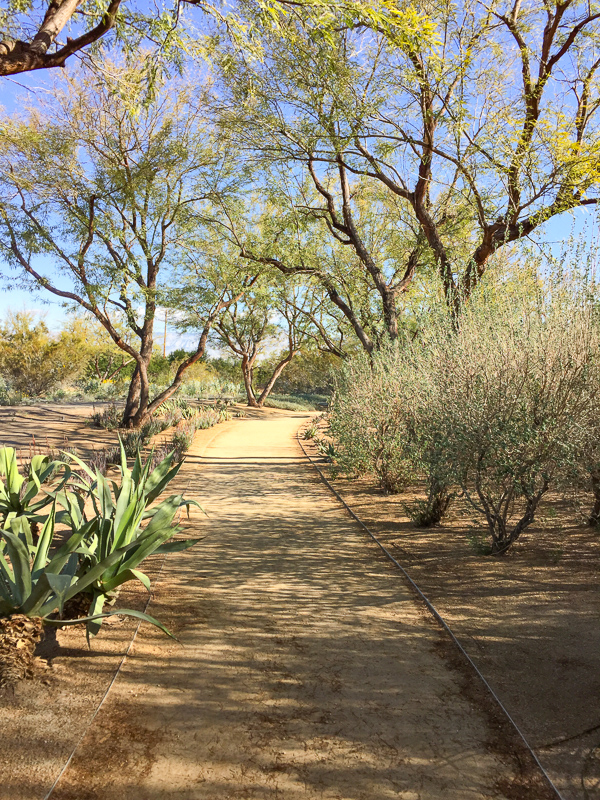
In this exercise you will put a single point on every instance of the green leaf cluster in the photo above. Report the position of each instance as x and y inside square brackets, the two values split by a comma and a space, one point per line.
[101, 550]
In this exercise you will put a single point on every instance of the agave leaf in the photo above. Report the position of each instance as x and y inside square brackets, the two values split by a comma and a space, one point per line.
[124, 576]
[160, 476]
[60, 585]
[144, 546]
[95, 616]
[124, 496]
[60, 558]
[124, 468]
[96, 572]
[20, 527]
[33, 487]
[137, 470]
[165, 512]
[104, 496]
[125, 612]
[9, 470]
[19, 558]
[177, 546]
[44, 542]
[73, 505]
[129, 523]
[81, 464]
[7, 581]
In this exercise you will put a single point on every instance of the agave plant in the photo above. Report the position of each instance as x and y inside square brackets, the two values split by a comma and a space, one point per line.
[35, 583]
[101, 553]
[20, 497]
[310, 432]
[117, 526]
[327, 449]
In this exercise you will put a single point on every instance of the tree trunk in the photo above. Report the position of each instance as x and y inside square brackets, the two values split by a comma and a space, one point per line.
[247, 372]
[133, 399]
[138, 397]
[276, 373]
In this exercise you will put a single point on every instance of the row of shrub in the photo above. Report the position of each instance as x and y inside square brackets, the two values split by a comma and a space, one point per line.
[500, 406]
[178, 414]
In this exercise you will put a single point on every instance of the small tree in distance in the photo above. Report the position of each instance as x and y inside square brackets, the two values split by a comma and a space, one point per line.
[262, 319]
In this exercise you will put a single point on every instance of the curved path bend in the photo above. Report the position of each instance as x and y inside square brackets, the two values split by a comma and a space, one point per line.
[304, 667]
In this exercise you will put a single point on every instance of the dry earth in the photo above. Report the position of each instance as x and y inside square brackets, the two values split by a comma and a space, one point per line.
[39, 429]
[304, 668]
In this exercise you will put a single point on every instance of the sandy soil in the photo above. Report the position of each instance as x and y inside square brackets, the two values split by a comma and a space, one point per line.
[39, 429]
[529, 619]
[304, 667]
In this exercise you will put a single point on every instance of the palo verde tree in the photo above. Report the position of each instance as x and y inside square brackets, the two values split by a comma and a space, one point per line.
[45, 34]
[479, 119]
[265, 318]
[363, 287]
[110, 197]
[42, 35]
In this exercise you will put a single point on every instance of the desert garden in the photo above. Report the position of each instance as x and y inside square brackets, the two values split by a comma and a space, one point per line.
[299, 400]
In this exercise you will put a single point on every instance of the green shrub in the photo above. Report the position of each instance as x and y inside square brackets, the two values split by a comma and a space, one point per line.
[372, 419]
[109, 418]
[510, 404]
[502, 407]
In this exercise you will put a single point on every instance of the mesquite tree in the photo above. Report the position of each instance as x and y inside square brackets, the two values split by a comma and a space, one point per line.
[99, 203]
[283, 230]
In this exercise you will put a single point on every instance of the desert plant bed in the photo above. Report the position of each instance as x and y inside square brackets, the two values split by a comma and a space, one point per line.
[528, 618]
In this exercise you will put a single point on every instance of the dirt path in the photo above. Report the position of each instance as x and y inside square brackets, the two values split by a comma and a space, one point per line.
[304, 670]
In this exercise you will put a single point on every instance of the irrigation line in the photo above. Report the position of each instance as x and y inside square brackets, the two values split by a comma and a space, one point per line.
[122, 661]
[439, 619]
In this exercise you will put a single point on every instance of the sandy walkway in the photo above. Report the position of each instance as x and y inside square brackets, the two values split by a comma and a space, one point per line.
[305, 669]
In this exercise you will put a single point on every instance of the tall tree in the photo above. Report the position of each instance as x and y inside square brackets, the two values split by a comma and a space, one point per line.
[111, 198]
[483, 123]
[284, 227]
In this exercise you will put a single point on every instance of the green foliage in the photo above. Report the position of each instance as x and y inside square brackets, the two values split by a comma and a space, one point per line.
[31, 360]
[98, 552]
[510, 402]
[309, 373]
[114, 540]
[310, 431]
[109, 418]
[328, 450]
[299, 402]
[370, 419]
[503, 409]
[20, 497]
